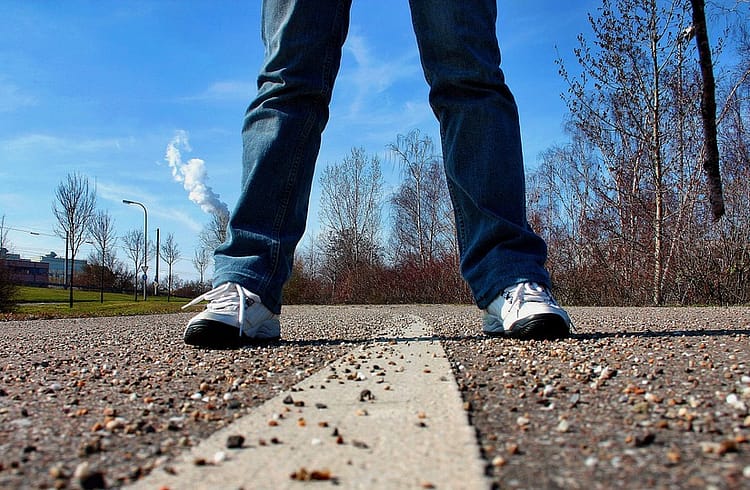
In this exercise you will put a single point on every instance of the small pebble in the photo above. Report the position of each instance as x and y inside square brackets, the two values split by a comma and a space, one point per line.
[88, 478]
[673, 456]
[235, 441]
[303, 474]
[498, 461]
[57, 471]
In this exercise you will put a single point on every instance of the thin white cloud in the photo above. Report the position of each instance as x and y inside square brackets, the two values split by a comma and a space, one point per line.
[50, 143]
[117, 192]
[11, 200]
[227, 90]
[13, 98]
[371, 76]
[370, 73]
[179, 217]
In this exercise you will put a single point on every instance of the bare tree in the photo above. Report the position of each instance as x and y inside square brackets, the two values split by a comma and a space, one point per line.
[310, 255]
[633, 104]
[102, 232]
[171, 253]
[73, 208]
[351, 203]
[422, 215]
[215, 231]
[350, 213]
[726, 280]
[620, 204]
[201, 261]
[133, 243]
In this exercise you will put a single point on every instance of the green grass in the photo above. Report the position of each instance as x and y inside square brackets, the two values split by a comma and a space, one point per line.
[35, 303]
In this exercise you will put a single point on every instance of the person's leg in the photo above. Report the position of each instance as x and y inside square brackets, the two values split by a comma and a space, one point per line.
[481, 145]
[502, 259]
[281, 137]
[281, 141]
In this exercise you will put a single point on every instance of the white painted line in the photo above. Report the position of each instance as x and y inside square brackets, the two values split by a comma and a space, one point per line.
[397, 412]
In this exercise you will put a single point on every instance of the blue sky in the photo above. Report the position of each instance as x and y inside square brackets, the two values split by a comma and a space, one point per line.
[103, 87]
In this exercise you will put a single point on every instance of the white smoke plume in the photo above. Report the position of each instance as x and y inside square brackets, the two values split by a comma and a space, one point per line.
[193, 176]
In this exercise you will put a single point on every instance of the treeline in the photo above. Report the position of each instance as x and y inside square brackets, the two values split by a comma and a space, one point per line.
[623, 204]
[350, 261]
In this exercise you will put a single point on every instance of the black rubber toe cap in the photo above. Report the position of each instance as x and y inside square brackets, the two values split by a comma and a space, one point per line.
[547, 326]
[211, 334]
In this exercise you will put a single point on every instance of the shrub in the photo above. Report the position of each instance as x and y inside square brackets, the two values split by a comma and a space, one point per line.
[8, 289]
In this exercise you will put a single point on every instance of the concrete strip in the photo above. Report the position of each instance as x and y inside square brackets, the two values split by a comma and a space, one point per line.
[386, 415]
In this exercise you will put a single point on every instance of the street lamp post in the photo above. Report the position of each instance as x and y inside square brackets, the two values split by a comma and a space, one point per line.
[145, 242]
[158, 256]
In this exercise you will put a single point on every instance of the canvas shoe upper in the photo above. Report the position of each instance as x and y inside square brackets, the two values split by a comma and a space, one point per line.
[233, 315]
[527, 311]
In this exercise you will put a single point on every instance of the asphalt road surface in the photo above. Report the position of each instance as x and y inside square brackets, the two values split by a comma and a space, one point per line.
[637, 398]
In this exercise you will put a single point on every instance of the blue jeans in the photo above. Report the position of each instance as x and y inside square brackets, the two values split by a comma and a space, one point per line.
[479, 131]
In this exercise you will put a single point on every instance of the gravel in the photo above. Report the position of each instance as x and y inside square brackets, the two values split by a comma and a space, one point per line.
[91, 399]
[638, 398]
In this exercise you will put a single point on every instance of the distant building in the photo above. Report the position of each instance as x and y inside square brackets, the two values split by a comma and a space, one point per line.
[23, 271]
[57, 267]
[48, 270]
[4, 254]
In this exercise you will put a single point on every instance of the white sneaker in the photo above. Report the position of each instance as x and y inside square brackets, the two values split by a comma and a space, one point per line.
[232, 317]
[526, 311]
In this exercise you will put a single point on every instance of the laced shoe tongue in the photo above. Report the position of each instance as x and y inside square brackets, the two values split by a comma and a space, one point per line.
[527, 291]
[534, 292]
[226, 303]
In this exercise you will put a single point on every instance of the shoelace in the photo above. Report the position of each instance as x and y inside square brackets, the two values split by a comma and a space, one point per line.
[528, 291]
[228, 296]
